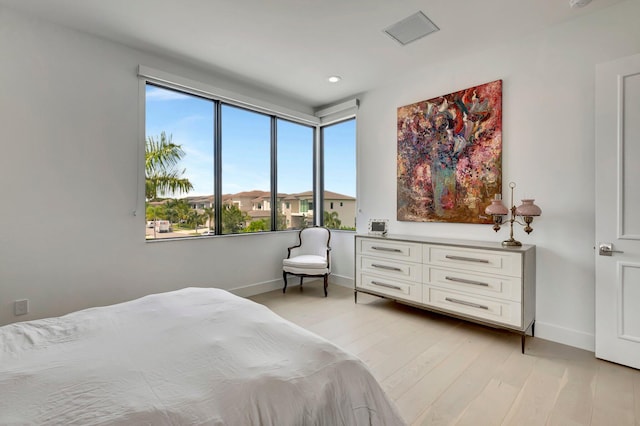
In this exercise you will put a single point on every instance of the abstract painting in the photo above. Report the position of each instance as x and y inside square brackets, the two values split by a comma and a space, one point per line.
[450, 156]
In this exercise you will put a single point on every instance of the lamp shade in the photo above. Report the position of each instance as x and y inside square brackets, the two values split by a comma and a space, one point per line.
[527, 208]
[496, 208]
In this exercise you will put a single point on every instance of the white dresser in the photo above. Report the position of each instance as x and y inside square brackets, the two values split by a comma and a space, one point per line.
[477, 281]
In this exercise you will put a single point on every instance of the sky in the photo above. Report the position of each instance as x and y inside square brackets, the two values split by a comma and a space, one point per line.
[188, 120]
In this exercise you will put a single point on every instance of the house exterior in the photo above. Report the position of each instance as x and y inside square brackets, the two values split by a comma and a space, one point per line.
[297, 209]
[344, 206]
[201, 202]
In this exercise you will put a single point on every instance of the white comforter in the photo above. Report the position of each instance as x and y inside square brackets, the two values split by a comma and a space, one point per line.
[189, 357]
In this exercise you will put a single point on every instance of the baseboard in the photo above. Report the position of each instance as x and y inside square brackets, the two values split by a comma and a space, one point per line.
[258, 288]
[266, 286]
[341, 280]
[566, 336]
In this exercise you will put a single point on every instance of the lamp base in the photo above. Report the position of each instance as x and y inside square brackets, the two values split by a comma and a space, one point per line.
[511, 243]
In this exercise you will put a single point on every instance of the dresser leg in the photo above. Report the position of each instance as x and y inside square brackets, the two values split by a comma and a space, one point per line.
[524, 334]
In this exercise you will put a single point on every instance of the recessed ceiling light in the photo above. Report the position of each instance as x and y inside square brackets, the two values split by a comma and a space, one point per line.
[334, 79]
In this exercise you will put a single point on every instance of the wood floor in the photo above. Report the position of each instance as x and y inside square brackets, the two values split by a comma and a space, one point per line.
[443, 371]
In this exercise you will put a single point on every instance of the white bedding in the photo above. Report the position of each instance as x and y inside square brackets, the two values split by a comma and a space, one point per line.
[192, 356]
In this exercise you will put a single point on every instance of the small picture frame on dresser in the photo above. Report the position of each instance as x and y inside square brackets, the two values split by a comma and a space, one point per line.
[378, 226]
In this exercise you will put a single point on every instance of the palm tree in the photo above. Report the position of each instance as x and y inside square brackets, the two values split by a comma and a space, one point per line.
[162, 177]
[331, 220]
[195, 219]
[210, 214]
[155, 212]
[178, 210]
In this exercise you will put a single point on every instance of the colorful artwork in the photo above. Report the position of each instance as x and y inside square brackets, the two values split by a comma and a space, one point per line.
[450, 156]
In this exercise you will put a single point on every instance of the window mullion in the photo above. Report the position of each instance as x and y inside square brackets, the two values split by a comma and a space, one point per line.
[318, 177]
[217, 166]
[274, 173]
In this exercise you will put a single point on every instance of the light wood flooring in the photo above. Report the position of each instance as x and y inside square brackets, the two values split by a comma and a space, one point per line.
[444, 371]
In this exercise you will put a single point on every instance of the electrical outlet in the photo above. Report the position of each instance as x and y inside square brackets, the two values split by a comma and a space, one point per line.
[21, 307]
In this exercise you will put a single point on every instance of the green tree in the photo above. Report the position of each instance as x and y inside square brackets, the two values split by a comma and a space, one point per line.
[258, 225]
[161, 175]
[210, 214]
[156, 212]
[331, 220]
[233, 219]
[172, 214]
[195, 219]
[178, 210]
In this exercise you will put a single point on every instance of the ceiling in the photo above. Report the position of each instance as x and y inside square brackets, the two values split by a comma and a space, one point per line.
[291, 47]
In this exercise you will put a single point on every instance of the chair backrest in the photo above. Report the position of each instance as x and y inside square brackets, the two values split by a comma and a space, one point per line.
[314, 240]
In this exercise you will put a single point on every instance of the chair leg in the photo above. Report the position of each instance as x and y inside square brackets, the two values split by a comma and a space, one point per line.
[326, 283]
[300, 281]
[284, 275]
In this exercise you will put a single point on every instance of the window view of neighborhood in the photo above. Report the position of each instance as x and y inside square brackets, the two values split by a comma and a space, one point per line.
[181, 176]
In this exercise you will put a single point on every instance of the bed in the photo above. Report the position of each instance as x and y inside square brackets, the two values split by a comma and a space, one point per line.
[196, 356]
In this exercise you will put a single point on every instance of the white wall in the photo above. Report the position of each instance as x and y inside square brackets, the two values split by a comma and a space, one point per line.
[548, 150]
[71, 173]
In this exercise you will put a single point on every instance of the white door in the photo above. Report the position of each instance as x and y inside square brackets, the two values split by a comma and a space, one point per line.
[618, 211]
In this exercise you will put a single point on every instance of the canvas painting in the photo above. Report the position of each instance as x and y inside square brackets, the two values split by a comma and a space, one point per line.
[450, 156]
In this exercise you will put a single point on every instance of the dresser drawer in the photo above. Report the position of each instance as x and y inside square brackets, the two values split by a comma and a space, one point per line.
[391, 268]
[504, 312]
[390, 249]
[491, 261]
[391, 287]
[497, 286]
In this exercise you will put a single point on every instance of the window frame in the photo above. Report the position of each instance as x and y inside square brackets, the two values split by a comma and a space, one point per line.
[320, 119]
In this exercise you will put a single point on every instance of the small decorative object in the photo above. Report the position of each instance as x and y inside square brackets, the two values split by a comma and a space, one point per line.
[449, 155]
[527, 211]
[378, 226]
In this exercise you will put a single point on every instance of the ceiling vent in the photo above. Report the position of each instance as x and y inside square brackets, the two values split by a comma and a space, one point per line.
[578, 3]
[411, 28]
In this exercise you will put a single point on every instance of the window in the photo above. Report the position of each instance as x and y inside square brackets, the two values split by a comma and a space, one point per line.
[339, 185]
[246, 167]
[225, 167]
[295, 172]
[178, 162]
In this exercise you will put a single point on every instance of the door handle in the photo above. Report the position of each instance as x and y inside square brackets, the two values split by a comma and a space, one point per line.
[606, 249]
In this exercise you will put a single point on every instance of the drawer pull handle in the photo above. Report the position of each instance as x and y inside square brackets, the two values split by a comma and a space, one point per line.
[395, 250]
[395, 287]
[466, 259]
[389, 268]
[463, 302]
[464, 281]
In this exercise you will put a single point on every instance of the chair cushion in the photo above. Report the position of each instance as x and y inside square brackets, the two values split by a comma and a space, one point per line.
[306, 261]
[312, 272]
